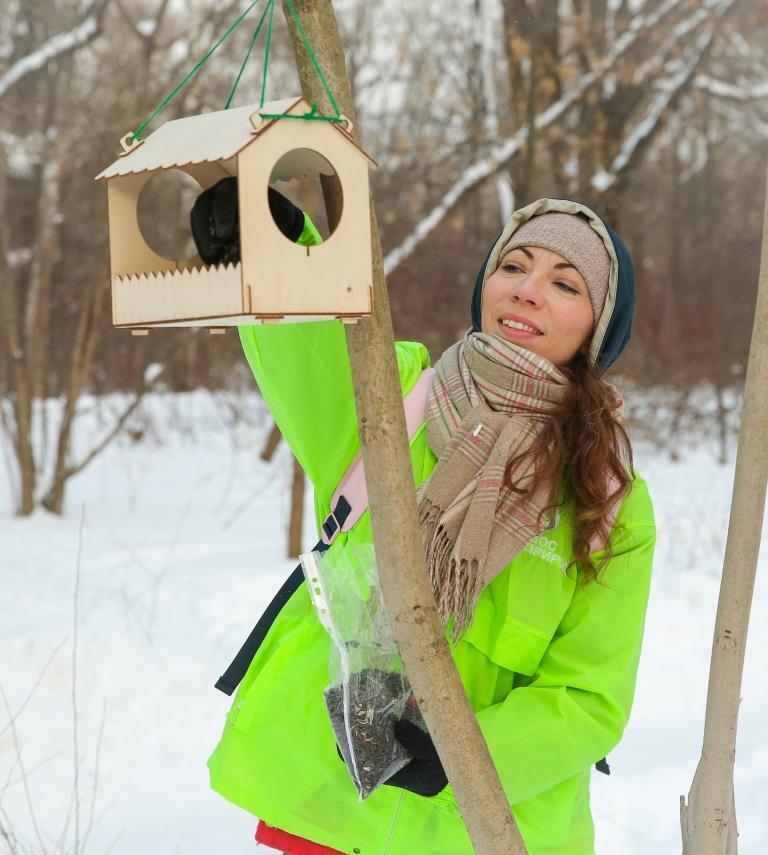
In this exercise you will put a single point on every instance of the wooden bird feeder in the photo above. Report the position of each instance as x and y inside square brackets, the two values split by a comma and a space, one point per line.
[275, 279]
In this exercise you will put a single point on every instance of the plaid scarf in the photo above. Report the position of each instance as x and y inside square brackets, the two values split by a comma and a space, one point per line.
[488, 401]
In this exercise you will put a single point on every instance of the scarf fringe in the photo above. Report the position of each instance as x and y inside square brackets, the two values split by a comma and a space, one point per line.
[456, 585]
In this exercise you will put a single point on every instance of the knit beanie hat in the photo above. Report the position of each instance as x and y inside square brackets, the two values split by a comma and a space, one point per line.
[614, 325]
[571, 236]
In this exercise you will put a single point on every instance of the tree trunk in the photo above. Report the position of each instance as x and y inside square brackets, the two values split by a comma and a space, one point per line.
[518, 25]
[397, 536]
[20, 430]
[273, 440]
[590, 48]
[709, 819]
[38, 294]
[297, 512]
[83, 348]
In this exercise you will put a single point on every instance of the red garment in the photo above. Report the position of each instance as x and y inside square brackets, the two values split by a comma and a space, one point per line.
[289, 843]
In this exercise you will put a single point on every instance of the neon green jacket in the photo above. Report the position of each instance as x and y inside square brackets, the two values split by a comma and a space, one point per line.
[549, 664]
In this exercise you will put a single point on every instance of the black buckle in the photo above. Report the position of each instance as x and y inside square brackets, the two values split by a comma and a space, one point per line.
[337, 517]
[331, 525]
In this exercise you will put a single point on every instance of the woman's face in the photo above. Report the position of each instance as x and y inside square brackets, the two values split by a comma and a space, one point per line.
[539, 301]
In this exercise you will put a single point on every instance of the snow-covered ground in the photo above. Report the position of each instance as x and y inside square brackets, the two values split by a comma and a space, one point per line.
[181, 542]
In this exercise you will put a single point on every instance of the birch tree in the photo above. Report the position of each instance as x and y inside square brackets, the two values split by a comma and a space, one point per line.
[708, 817]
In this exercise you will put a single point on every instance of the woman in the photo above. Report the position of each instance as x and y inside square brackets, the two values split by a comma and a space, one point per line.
[541, 577]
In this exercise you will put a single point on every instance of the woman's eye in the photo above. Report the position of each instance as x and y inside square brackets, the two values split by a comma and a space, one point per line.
[566, 287]
[511, 268]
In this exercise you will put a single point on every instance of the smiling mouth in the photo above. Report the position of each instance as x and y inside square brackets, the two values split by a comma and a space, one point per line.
[520, 327]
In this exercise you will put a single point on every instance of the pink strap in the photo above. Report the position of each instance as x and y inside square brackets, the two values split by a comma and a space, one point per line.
[598, 542]
[352, 486]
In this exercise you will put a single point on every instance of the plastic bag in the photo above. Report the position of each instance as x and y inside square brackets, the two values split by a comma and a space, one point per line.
[369, 691]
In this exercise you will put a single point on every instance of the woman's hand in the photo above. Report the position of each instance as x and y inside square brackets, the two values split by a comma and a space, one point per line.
[424, 775]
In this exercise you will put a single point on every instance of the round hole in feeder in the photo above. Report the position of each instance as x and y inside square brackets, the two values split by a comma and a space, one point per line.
[307, 179]
[163, 214]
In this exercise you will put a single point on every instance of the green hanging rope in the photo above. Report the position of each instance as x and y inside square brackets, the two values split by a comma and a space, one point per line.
[136, 135]
[267, 49]
[313, 58]
[247, 57]
[312, 115]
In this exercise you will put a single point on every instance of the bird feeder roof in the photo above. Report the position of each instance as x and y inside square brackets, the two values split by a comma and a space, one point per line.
[206, 138]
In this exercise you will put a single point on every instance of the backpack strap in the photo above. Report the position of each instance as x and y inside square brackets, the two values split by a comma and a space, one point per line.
[599, 541]
[236, 669]
[348, 503]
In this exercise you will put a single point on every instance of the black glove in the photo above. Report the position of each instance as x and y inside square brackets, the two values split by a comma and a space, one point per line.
[215, 226]
[424, 775]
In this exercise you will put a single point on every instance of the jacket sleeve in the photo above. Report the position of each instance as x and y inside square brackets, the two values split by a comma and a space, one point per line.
[574, 710]
[303, 372]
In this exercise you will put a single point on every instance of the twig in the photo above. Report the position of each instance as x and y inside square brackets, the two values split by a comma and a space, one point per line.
[75, 731]
[91, 822]
[24, 780]
[104, 442]
[34, 687]
[11, 782]
[243, 506]
[160, 576]
[8, 835]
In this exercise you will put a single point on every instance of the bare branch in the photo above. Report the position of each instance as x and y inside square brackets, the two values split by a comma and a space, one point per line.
[137, 30]
[97, 762]
[20, 710]
[119, 424]
[748, 123]
[20, 761]
[501, 154]
[649, 124]
[105, 440]
[676, 37]
[75, 716]
[57, 46]
[734, 92]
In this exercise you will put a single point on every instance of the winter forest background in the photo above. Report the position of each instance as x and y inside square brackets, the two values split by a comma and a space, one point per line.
[654, 112]
[147, 508]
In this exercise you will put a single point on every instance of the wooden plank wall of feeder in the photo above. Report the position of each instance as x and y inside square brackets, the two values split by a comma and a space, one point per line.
[282, 278]
[192, 297]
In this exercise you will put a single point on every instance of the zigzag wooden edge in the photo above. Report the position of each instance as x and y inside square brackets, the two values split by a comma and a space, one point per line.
[219, 273]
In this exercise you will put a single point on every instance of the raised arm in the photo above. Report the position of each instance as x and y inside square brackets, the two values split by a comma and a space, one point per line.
[302, 369]
[304, 375]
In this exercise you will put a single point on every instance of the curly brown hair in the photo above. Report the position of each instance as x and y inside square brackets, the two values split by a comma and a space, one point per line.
[584, 447]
